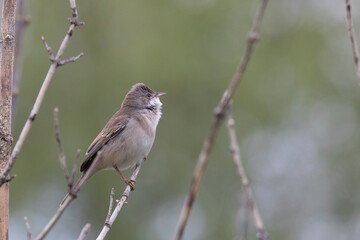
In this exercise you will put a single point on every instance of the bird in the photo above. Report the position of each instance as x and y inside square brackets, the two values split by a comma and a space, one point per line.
[128, 136]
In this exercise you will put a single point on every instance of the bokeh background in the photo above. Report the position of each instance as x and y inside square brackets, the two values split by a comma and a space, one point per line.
[296, 111]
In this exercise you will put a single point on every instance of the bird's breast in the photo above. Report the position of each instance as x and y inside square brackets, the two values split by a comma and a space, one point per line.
[132, 145]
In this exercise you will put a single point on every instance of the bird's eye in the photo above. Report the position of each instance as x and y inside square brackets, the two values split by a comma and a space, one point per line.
[148, 95]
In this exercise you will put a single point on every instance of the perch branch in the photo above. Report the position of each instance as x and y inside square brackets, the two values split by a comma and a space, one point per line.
[28, 228]
[110, 220]
[352, 37]
[84, 232]
[234, 147]
[54, 64]
[218, 117]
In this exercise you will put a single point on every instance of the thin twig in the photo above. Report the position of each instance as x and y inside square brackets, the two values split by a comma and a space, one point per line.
[110, 206]
[352, 37]
[242, 218]
[70, 60]
[84, 232]
[39, 99]
[217, 120]
[62, 157]
[74, 170]
[109, 221]
[48, 48]
[234, 147]
[28, 228]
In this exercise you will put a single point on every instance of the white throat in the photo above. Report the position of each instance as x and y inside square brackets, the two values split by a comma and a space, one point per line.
[155, 102]
[155, 106]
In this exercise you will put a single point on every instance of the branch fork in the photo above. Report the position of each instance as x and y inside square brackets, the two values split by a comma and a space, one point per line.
[74, 20]
[57, 60]
[252, 38]
[235, 150]
[55, 63]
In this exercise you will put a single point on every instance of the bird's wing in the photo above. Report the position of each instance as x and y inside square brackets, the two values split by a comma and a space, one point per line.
[113, 128]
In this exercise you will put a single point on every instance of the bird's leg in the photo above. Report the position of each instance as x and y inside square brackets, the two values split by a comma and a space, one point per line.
[128, 182]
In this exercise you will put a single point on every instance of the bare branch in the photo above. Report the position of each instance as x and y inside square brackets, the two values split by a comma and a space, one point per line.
[40, 97]
[68, 199]
[352, 37]
[84, 231]
[107, 220]
[218, 118]
[110, 220]
[234, 147]
[62, 157]
[28, 228]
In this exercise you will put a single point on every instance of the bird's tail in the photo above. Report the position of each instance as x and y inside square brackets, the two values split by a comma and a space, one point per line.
[68, 197]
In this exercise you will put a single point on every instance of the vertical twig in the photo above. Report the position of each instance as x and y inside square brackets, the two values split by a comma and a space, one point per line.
[110, 220]
[6, 80]
[73, 172]
[55, 63]
[84, 232]
[62, 157]
[108, 216]
[352, 37]
[234, 147]
[28, 228]
[217, 120]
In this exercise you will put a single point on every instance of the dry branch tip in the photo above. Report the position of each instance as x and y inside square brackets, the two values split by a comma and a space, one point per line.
[69, 60]
[48, 49]
[28, 228]
[84, 231]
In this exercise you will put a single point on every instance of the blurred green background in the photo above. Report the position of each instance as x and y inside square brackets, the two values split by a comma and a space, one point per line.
[296, 111]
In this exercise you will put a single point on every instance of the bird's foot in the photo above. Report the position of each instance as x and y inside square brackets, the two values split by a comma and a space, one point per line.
[130, 183]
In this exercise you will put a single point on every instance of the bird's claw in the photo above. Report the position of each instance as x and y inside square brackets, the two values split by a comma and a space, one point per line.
[131, 183]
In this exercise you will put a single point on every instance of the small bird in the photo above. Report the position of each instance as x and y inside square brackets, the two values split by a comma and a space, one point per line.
[128, 136]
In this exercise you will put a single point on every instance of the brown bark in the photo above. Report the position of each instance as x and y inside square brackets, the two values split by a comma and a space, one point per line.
[7, 66]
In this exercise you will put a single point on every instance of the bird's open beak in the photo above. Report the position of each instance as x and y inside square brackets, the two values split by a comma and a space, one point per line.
[159, 94]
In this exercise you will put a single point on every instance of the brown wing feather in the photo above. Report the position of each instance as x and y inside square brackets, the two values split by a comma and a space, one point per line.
[113, 128]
